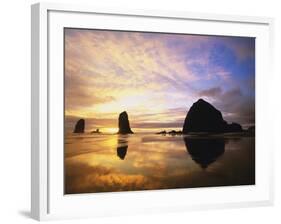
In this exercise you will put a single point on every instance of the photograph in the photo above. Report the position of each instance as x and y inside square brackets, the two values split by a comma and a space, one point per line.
[157, 111]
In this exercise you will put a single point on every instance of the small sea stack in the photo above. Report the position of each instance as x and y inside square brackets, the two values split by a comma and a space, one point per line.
[97, 131]
[80, 126]
[162, 132]
[234, 127]
[123, 124]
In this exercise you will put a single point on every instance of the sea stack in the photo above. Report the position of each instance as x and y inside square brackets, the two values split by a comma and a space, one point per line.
[123, 124]
[80, 126]
[204, 117]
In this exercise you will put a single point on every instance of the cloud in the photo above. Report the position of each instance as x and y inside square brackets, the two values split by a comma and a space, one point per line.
[212, 92]
[244, 48]
[234, 104]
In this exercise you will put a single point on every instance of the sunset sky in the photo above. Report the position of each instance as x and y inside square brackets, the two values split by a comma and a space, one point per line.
[155, 77]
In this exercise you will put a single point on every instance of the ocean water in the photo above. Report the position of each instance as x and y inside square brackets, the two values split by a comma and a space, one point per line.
[111, 162]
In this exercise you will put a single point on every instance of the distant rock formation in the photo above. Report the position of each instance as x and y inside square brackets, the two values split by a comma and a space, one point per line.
[80, 126]
[250, 131]
[204, 151]
[162, 132]
[204, 117]
[173, 132]
[123, 124]
[97, 131]
[234, 127]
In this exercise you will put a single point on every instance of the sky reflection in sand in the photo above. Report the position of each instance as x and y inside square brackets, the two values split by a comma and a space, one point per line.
[109, 163]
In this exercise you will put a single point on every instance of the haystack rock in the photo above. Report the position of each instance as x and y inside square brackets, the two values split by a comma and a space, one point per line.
[204, 117]
[80, 126]
[123, 124]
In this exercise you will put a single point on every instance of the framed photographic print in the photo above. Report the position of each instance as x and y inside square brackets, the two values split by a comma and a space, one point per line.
[145, 111]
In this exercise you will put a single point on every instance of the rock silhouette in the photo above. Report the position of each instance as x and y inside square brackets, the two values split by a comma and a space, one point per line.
[173, 132]
[80, 126]
[204, 117]
[123, 124]
[97, 131]
[162, 132]
[234, 127]
[204, 151]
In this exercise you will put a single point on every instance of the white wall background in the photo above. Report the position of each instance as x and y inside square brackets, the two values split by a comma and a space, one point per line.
[15, 110]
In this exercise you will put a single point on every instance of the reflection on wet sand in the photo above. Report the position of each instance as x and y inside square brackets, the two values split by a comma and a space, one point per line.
[108, 163]
[122, 147]
[204, 151]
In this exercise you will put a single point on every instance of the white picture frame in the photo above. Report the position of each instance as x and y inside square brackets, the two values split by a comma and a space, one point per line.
[48, 201]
